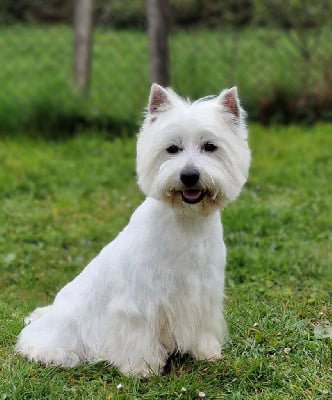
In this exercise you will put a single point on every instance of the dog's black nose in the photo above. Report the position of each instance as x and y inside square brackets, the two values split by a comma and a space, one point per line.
[189, 177]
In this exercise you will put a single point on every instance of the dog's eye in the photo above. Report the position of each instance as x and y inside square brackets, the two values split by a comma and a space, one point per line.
[210, 147]
[173, 149]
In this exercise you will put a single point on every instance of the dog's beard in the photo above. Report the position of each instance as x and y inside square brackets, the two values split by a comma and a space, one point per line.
[194, 199]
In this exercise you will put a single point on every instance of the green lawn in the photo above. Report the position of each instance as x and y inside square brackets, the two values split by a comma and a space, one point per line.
[268, 65]
[60, 202]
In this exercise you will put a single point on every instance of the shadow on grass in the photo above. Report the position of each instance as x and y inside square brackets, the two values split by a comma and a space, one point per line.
[56, 120]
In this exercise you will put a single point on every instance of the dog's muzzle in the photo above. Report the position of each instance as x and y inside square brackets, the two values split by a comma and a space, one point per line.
[190, 178]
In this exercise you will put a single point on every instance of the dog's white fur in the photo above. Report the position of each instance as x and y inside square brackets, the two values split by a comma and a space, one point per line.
[158, 287]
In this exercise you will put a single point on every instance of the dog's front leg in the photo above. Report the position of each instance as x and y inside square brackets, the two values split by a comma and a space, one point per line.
[207, 347]
[134, 346]
[210, 336]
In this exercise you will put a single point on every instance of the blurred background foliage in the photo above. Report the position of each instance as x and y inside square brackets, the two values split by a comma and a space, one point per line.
[277, 52]
[209, 13]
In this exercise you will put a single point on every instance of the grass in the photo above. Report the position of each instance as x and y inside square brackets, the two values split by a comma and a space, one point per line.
[266, 64]
[62, 201]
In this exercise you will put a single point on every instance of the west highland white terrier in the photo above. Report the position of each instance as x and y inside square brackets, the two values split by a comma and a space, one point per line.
[158, 287]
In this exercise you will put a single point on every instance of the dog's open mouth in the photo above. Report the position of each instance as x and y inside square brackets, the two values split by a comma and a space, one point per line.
[192, 196]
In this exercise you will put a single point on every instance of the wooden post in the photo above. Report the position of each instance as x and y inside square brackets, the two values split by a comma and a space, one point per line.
[82, 44]
[158, 16]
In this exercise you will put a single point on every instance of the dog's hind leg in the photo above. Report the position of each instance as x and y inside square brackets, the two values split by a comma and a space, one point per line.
[50, 339]
[36, 314]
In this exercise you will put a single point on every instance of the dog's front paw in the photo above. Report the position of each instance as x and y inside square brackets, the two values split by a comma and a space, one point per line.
[208, 348]
[142, 368]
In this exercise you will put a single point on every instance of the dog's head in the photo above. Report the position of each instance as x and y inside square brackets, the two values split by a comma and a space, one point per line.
[193, 155]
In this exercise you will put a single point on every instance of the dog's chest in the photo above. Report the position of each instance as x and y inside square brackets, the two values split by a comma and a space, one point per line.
[188, 264]
[173, 259]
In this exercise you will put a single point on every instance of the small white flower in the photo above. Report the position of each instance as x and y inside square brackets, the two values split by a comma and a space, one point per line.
[119, 386]
[255, 324]
[201, 395]
[183, 389]
[287, 350]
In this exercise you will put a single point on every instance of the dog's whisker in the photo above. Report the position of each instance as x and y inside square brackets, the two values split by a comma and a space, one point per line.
[212, 180]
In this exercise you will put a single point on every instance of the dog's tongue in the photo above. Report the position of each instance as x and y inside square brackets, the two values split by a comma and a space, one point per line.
[191, 194]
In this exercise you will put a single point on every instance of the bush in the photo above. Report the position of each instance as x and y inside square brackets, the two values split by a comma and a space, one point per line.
[35, 11]
[293, 14]
[210, 13]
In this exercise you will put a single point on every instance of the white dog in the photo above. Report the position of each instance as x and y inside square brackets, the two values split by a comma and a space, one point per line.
[159, 286]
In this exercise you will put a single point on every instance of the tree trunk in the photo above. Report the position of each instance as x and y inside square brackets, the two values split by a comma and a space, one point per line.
[82, 44]
[158, 16]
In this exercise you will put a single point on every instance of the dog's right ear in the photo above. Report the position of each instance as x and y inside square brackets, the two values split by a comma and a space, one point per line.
[159, 99]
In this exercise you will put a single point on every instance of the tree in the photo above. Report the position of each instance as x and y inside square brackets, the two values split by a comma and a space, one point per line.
[82, 44]
[158, 16]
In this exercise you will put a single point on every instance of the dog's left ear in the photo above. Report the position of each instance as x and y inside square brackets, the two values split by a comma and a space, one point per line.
[159, 99]
[230, 101]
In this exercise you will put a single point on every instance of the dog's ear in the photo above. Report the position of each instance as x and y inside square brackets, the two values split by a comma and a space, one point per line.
[159, 99]
[230, 101]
